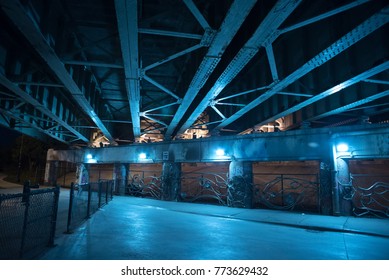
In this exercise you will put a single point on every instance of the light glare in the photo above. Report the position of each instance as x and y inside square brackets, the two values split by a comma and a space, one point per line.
[342, 147]
[142, 156]
[220, 152]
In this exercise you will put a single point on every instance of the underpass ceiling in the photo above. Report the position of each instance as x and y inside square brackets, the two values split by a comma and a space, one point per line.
[84, 70]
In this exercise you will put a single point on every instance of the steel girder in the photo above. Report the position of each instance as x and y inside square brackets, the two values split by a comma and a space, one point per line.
[351, 105]
[5, 120]
[41, 107]
[127, 18]
[31, 122]
[17, 13]
[233, 20]
[352, 37]
[367, 141]
[265, 34]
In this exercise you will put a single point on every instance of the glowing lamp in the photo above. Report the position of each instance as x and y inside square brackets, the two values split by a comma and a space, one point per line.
[220, 152]
[342, 147]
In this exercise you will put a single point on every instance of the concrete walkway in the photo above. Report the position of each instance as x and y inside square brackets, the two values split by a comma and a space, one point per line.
[8, 185]
[140, 228]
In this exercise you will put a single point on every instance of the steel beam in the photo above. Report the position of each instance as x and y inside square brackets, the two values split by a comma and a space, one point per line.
[237, 13]
[15, 11]
[361, 31]
[5, 121]
[324, 15]
[171, 57]
[93, 64]
[367, 141]
[351, 105]
[197, 14]
[369, 73]
[127, 17]
[40, 107]
[266, 30]
[33, 126]
[158, 85]
[241, 93]
[272, 62]
[170, 33]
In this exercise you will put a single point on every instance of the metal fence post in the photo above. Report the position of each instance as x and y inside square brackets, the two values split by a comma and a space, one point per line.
[106, 191]
[26, 201]
[54, 216]
[111, 190]
[99, 184]
[89, 201]
[70, 208]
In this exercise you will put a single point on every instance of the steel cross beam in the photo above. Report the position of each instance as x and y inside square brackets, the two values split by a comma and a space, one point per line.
[32, 132]
[351, 105]
[31, 125]
[28, 98]
[361, 31]
[15, 11]
[369, 73]
[267, 30]
[197, 14]
[237, 13]
[127, 17]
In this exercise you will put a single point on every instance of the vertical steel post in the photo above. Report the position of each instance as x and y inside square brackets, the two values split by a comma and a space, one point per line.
[89, 201]
[54, 216]
[282, 189]
[99, 184]
[26, 201]
[70, 210]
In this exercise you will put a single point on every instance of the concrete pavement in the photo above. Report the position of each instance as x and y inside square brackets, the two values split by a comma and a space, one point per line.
[140, 228]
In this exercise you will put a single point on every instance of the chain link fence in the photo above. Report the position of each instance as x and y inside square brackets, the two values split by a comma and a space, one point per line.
[27, 222]
[86, 199]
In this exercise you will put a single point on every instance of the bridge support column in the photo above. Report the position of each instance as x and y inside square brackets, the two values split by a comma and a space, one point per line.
[171, 181]
[325, 191]
[240, 185]
[342, 188]
[120, 177]
[82, 174]
[51, 173]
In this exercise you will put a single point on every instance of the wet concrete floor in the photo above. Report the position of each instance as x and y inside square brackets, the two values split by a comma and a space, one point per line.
[146, 229]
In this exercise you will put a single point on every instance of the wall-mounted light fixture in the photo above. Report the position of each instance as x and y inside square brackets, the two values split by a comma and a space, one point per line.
[220, 152]
[142, 156]
[342, 147]
[90, 158]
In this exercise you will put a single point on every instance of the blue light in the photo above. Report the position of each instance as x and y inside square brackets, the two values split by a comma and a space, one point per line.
[220, 152]
[91, 160]
[142, 156]
[89, 156]
[342, 147]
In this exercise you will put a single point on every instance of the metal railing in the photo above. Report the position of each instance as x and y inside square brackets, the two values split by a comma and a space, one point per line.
[85, 200]
[204, 187]
[145, 184]
[369, 194]
[287, 191]
[27, 222]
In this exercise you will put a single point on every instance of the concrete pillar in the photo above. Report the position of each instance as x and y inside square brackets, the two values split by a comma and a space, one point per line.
[51, 173]
[82, 174]
[120, 177]
[171, 181]
[325, 184]
[240, 185]
[343, 188]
